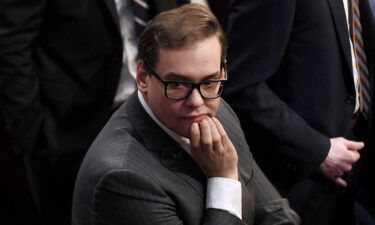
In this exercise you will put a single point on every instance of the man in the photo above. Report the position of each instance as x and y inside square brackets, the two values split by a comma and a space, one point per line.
[64, 67]
[297, 86]
[174, 153]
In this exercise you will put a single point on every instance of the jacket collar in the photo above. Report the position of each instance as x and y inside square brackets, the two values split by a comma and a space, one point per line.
[170, 153]
[339, 18]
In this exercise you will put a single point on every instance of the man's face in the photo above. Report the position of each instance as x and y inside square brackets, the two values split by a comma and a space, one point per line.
[196, 63]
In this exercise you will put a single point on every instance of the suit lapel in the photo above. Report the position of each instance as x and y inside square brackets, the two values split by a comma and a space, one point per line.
[171, 154]
[111, 6]
[184, 166]
[175, 159]
[339, 18]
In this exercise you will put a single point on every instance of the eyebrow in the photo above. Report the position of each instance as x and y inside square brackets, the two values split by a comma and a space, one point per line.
[176, 76]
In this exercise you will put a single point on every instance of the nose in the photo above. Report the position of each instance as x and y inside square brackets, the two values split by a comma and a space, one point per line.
[195, 99]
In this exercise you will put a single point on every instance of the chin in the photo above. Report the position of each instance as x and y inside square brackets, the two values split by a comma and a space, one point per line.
[184, 132]
[182, 129]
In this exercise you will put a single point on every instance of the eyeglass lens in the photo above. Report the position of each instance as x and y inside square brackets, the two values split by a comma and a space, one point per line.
[208, 89]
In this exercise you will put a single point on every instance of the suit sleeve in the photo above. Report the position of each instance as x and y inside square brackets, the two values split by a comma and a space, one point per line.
[270, 207]
[258, 35]
[20, 22]
[123, 197]
[258, 193]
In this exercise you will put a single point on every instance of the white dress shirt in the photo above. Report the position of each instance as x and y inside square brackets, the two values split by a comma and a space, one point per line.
[127, 84]
[222, 193]
[203, 2]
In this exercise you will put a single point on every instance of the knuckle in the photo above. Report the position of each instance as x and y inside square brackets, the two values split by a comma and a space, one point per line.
[355, 157]
[206, 144]
[204, 124]
[223, 135]
[221, 150]
[194, 146]
[216, 140]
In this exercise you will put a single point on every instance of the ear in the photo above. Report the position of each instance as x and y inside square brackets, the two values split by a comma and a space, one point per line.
[142, 77]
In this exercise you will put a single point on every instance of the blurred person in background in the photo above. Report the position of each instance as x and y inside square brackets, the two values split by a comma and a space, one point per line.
[65, 66]
[302, 85]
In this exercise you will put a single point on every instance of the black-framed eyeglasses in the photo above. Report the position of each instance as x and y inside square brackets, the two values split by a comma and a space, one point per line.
[179, 89]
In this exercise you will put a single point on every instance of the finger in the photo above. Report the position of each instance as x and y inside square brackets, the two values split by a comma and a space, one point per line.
[354, 145]
[206, 138]
[195, 136]
[220, 128]
[341, 182]
[355, 155]
[338, 173]
[350, 158]
[346, 168]
[216, 138]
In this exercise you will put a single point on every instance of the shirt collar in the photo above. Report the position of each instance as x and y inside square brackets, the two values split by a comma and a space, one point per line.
[183, 141]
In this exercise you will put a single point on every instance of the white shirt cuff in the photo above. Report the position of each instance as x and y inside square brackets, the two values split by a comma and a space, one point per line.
[225, 194]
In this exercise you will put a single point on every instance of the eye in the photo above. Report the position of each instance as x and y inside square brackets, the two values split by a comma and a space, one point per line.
[208, 83]
[178, 85]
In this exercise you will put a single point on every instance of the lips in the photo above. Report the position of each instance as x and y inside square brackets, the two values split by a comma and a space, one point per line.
[195, 118]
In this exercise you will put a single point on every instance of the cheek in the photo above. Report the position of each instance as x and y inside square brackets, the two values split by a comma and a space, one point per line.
[170, 112]
[213, 107]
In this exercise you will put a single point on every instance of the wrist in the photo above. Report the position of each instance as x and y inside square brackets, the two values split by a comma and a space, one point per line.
[227, 174]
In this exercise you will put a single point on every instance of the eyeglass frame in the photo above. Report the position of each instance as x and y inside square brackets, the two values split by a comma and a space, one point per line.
[197, 86]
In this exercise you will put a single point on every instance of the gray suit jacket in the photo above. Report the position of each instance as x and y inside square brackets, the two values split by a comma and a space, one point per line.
[134, 173]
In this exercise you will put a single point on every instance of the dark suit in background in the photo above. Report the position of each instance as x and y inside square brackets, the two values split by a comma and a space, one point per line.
[220, 9]
[60, 63]
[14, 191]
[292, 88]
[135, 173]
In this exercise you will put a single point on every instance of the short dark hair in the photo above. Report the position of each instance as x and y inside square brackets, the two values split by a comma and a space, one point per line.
[178, 27]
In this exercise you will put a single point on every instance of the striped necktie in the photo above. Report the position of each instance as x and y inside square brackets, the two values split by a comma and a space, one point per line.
[141, 15]
[360, 58]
